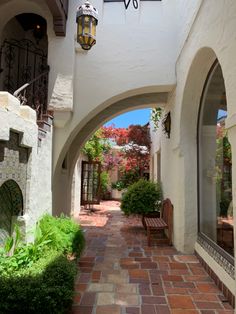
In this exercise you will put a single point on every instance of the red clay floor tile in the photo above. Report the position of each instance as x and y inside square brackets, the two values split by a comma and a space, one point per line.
[117, 263]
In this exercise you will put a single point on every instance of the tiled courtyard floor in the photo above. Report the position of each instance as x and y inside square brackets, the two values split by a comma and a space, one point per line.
[120, 274]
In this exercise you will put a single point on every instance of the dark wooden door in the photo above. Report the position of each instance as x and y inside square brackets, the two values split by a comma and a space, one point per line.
[90, 182]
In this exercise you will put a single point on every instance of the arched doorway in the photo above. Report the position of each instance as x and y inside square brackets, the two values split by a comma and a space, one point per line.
[11, 206]
[23, 60]
[215, 216]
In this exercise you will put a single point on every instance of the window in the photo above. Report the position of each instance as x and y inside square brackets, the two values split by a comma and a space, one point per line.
[215, 163]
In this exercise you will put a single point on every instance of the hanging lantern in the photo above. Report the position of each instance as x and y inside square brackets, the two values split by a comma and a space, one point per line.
[87, 20]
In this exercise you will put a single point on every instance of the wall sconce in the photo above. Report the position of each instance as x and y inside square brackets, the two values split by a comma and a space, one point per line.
[87, 20]
[167, 124]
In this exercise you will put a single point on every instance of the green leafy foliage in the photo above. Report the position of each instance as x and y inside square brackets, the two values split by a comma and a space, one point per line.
[141, 198]
[96, 146]
[104, 179]
[38, 277]
[46, 287]
[16, 254]
[65, 234]
[12, 242]
[156, 117]
[129, 177]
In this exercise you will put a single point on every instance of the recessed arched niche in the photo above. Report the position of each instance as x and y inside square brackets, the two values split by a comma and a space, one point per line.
[23, 51]
[11, 207]
[14, 163]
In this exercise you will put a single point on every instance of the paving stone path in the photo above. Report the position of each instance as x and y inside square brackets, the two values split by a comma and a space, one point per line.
[120, 274]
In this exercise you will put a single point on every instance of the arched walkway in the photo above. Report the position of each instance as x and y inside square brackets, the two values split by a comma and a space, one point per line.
[62, 179]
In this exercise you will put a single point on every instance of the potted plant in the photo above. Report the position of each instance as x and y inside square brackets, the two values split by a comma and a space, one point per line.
[117, 189]
[142, 198]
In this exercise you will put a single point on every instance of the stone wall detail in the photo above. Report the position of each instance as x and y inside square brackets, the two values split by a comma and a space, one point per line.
[13, 179]
[14, 161]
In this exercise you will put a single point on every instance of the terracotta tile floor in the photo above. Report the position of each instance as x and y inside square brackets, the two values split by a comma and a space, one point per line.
[120, 274]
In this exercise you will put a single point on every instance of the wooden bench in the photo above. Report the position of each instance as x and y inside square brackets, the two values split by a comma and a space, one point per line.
[163, 223]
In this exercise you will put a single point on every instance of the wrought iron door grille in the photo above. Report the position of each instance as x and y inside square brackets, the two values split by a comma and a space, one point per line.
[20, 62]
[24, 64]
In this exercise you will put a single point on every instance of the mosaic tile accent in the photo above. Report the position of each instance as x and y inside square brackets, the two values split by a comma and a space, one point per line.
[221, 260]
[14, 161]
[13, 179]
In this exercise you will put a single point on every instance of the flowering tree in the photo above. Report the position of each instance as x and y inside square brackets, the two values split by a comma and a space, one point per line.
[135, 147]
[97, 146]
[131, 160]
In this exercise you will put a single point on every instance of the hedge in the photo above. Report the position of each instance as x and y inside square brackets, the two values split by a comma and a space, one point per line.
[45, 287]
[47, 284]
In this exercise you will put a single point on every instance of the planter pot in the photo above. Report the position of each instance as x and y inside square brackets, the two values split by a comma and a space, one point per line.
[116, 195]
[150, 215]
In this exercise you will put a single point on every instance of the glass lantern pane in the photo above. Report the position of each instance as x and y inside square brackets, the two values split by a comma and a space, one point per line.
[93, 28]
[86, 25]
[80, 28]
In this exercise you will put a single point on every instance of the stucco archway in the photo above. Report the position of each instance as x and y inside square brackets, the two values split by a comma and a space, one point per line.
[10, 9]
[192, 94]
[62, 179]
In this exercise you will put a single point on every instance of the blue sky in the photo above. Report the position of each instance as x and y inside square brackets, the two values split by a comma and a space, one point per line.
[140, 116]
[222, 113]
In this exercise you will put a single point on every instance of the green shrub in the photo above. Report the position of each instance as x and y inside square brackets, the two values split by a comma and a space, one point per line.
[65, 234]
[16, 254]
[104, 177]
[38, 277]
[129, 177]
[141, 198]
[45, 287]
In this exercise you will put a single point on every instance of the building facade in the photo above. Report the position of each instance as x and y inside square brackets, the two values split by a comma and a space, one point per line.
[179, 55]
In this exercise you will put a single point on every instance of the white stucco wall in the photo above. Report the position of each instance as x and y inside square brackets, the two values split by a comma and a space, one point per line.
[179, 153]
[186, 12]
[126, 46]
[210, 37]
